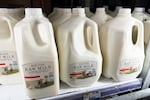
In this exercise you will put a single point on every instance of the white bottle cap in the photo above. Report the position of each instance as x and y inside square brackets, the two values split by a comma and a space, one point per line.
[139, 9]
[33, 12]
[124, 11]
[66, 10]
[100, 9]
[78, 11]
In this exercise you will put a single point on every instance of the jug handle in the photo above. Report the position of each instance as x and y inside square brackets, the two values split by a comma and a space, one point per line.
[9, 26]
[45, 38]
[91, 36]
[140, 33]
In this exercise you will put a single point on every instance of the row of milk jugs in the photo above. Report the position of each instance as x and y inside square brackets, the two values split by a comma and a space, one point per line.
[73, 47]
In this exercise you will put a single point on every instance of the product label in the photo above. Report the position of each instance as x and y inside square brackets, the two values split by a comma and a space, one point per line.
[83, 70]
[129, 66]
[38, 75]
[8, 63]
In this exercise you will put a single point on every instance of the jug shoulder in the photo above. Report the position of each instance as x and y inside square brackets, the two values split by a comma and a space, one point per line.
[122, 22]
[99, 20]
[71, 24]
[29, 21]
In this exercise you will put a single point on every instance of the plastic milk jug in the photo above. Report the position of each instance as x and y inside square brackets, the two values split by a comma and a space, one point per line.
[55, 14]
[123, 56]
[79, 51]
[9, 70]
[100, 17]
[37, 54]
[139, 13]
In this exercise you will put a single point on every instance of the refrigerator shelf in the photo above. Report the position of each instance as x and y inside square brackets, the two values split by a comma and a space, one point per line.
[103, 88]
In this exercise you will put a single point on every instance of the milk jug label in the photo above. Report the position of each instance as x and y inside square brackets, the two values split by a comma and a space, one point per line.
[129, 66]
[8, 63]
[83, 70]
[38, 75]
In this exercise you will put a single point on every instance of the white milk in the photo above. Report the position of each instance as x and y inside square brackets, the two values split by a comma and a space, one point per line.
[123, 57]
[88, 12]
[36, 50]
[100, 17]
[9, 71]
[79, 51]
[139, 13]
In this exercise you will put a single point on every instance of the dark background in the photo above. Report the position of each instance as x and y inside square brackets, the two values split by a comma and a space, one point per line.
[48, 5]
[99, 3]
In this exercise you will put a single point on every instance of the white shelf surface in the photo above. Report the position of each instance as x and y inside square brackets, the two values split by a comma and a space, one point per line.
[106, 87]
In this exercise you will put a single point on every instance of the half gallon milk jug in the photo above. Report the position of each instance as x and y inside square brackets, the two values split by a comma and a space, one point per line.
[37, 54]
[79, 51]
[100, 17]
[123, 57]
[9, 71]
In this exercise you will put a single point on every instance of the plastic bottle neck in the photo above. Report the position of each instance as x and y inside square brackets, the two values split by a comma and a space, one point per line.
[139, 9]
[118, 7]
[100, 11]
[29, 12]
[66, 11]
[78, 11]
[87, 9]
[58, 10]
[124, 12]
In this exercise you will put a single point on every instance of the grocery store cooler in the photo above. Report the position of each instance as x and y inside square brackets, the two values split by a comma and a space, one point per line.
[103, 89]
